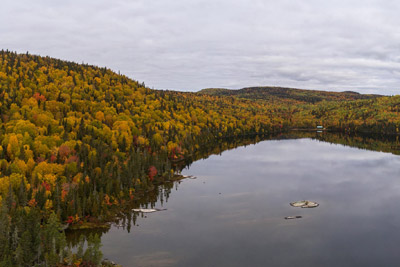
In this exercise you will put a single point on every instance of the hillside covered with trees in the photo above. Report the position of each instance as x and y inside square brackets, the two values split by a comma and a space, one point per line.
[338, 111]
[282, 93]
[77, 142]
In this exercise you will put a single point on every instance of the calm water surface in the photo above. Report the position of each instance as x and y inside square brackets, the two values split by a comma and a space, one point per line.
[233, 213]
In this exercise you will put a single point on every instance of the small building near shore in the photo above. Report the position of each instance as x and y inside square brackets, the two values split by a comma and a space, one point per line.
[319, 127]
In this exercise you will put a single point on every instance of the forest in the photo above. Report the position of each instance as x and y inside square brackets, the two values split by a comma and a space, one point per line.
[280, 93]
[79, 142]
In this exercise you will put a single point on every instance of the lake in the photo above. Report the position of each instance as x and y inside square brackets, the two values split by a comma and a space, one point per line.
[233, 213]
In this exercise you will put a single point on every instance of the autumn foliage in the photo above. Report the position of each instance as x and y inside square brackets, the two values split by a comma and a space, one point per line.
[76, 140]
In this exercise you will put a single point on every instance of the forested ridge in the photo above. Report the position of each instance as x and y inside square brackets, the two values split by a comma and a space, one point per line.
[281, 93]
[340, 111]
[78, 141]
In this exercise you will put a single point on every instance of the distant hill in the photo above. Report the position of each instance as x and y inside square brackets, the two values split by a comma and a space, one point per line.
[269, 93]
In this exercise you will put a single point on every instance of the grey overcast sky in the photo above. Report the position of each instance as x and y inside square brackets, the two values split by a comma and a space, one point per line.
[193, 44]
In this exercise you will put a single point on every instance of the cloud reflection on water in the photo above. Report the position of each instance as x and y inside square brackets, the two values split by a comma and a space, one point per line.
[233, 213]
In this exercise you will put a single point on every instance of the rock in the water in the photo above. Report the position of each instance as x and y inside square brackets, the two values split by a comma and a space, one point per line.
[293, 217]
[107, 262]
[147, 210]
[304, 204]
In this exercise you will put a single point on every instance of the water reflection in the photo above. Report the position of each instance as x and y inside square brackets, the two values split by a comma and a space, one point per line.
[233, 213]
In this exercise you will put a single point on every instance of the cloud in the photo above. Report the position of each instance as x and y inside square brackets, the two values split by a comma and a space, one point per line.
[194, 44]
